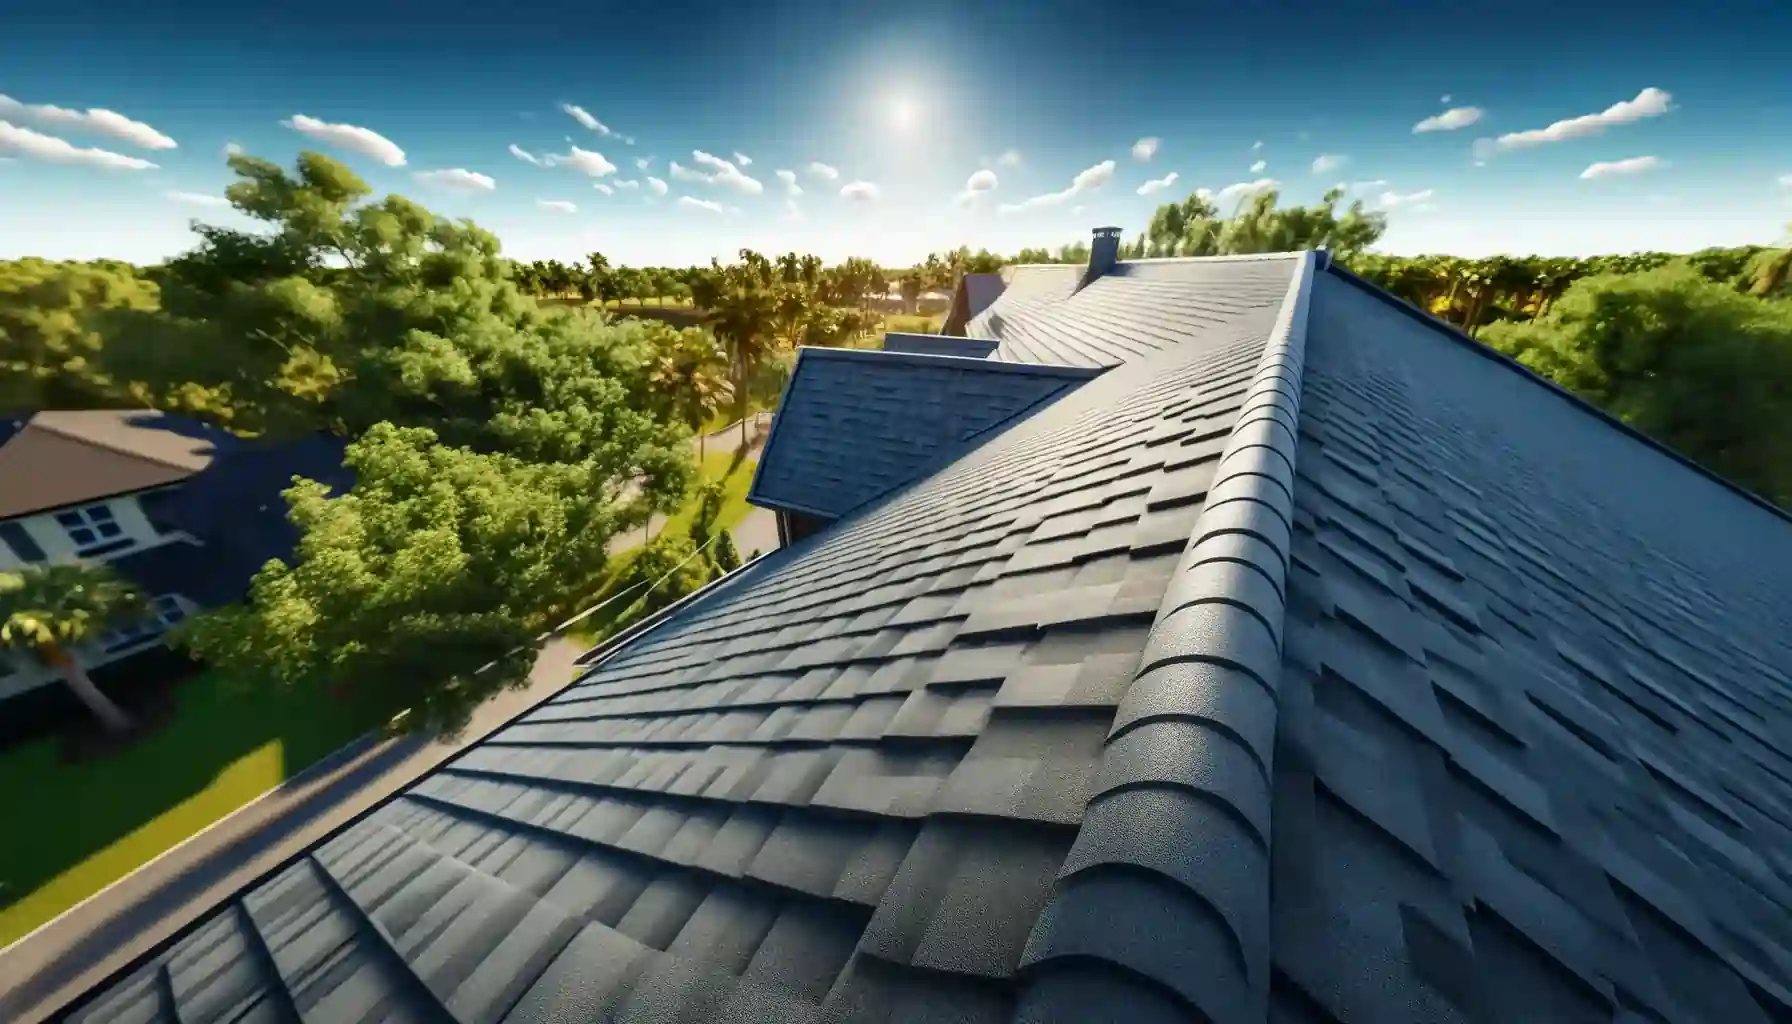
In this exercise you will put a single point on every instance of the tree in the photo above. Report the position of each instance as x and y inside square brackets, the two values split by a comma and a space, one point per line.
[690, 374]
[1770, 271]
[719, 553]
[50, 354]
[439, 561]
[344, 313]
[48, 611]
[1194, 227]
[1702, 368]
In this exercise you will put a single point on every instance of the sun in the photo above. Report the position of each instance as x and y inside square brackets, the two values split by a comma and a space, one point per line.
[902, 111]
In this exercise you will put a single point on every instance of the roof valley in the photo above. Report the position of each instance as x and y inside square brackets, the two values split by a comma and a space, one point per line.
[1186, 770]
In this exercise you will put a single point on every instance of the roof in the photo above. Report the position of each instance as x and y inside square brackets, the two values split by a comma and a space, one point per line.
[185, 568]
[973, 294]
[1332, 672]
[236, 505]
[64, 458]
[1135, 309]
[938, 345]
[855, 424]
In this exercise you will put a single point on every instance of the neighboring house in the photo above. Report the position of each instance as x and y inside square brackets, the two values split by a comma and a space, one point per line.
[120, 487]
[1296, 659]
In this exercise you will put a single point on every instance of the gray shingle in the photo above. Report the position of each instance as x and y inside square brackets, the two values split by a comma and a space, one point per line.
[1329, 672]
[857, 424]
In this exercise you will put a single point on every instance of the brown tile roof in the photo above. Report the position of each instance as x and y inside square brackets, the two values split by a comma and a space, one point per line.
[62, 458]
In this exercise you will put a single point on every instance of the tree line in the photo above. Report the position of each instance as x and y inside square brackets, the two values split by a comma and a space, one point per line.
[499, 442]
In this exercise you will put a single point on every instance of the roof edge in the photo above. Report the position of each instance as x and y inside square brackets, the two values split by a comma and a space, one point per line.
[1486, 351]
[1206, 681]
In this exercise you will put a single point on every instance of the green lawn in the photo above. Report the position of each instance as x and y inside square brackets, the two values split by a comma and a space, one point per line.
[73, 829]
[736, 478]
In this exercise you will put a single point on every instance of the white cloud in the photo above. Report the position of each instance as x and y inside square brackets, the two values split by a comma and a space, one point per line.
[1243, 189]
[628, 183]
[1009, 159]
[1089, 179]
[522, 154]
[355, 139]
[656, 186]
[580, 115]
[1450, 120]
[1395, 200]
[792, 211]
[1158, 184]
[791, 188]
[699, 204]
[111, 124]
[232, 149]
[605, 189]
[643, 163]
[457, 177]
[1146, 148]
[1445, 98]
[1786, 180]
[1259, 166]
[583, 160]
[823, 171]
[198, 199]
[27, 143]
[1328, 162]
[1364, 186]
[558, 205]
[860, 191]
[1257, 146]
[726, 174]
[1077, 211]
[679, 172]
[975, 186]
[742, 159]
[1651, 102]
[1617, 168]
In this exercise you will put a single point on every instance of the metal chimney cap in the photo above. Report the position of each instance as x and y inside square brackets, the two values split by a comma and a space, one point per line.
[1107, 232]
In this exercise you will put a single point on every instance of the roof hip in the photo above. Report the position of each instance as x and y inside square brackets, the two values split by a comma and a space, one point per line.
[1185, 771]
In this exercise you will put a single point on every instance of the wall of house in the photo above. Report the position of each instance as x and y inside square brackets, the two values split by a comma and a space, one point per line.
[18, 673]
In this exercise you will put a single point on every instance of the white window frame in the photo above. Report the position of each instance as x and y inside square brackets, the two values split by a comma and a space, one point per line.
[94, 520]
[165, 612]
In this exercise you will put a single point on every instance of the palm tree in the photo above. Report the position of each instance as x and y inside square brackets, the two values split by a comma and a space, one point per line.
[692, 374]
[744, 319]
[46, 612]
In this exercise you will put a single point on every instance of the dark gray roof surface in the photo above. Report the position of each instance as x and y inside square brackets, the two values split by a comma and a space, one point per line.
[938, 345]
[1135, 309]
[856, 424]
[1465, 706]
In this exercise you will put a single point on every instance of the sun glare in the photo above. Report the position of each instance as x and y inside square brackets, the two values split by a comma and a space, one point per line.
[902, 112]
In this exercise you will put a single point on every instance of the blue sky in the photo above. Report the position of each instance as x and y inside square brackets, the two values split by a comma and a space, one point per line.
[1687, 117]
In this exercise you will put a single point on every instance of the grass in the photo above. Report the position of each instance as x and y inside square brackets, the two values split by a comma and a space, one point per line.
[923, 323]
[92, 823]
[736, 477]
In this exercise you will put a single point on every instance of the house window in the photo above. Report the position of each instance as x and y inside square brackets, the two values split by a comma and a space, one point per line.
[92, 529]
[16, 537]
[165, 613]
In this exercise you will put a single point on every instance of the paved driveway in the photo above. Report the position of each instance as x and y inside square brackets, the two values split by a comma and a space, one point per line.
[44, 970]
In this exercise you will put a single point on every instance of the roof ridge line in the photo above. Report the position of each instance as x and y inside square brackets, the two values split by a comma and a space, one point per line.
[1187, 762]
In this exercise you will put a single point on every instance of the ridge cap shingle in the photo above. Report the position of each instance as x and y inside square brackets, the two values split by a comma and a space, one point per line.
[1188, 759]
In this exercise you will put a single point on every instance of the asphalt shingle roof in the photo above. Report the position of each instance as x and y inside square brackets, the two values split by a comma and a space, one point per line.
[62, 458]
[1320, 669]
[856, 424]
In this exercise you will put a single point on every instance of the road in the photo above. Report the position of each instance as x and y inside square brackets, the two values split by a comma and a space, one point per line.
[41, 972]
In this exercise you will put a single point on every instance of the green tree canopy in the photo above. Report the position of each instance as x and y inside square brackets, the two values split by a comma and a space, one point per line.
[49, 350]
[439, 561]
[1696, 364]
[344, 313]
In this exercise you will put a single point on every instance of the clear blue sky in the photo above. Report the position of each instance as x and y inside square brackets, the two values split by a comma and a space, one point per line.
[907, 102]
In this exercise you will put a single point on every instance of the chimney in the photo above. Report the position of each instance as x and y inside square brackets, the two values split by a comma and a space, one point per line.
[1104, 251]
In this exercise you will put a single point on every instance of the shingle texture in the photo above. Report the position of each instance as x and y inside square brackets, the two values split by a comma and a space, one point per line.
[856, 424]
[1325, 670]
[1133, 310]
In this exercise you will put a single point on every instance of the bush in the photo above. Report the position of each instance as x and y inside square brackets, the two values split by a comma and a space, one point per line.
[1694, 364]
